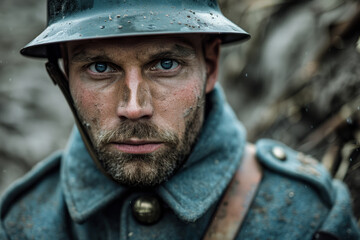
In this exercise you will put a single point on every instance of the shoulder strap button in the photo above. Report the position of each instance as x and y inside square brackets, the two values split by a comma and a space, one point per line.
[279, 153]
[278, 157]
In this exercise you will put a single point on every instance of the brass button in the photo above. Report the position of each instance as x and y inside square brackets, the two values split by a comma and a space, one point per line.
[279, 153]
[147, 209]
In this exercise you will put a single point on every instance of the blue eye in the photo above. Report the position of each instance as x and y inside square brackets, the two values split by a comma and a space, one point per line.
[100, 67]
[166, 64]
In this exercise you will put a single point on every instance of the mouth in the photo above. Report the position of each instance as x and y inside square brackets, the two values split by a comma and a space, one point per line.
[137, 146]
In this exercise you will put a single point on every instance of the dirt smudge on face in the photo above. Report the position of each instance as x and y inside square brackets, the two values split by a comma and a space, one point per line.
[124, 93]
[143, 94]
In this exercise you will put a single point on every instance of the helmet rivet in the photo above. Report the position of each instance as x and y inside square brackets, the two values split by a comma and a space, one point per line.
[279, 153]
[147, 210]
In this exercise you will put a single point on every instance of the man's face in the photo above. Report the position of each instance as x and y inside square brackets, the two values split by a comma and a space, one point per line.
[142, 101]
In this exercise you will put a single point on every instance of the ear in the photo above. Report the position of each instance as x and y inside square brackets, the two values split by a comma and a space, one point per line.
[211, 55]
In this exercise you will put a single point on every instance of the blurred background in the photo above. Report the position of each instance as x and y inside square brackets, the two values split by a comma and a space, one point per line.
[296, 81]
[34, 118]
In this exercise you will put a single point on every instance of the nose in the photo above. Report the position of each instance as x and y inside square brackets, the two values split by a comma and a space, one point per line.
[135, 97]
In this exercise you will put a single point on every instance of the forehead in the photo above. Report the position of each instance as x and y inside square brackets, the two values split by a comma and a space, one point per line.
[143, 45]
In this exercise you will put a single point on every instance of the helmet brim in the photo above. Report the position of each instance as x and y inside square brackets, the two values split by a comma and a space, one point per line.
[134, 22]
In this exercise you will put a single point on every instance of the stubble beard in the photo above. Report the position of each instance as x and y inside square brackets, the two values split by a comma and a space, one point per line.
[145, 170]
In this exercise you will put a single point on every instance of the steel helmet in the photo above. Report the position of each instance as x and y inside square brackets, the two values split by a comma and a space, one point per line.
[72, 20]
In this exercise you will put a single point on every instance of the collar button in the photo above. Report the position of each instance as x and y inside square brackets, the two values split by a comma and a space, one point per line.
[147, 210]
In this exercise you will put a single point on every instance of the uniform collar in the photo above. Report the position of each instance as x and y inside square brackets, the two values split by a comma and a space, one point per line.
[189, 193]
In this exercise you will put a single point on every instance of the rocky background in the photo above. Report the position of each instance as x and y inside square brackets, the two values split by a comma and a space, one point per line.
[296, 80]
[34, 119]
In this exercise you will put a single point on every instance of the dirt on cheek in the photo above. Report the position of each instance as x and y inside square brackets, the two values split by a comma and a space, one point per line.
[191, 97]
[159, 95]
[95, 118]
[88, 106]
[124, 93]
[177, 103]
[188, 111]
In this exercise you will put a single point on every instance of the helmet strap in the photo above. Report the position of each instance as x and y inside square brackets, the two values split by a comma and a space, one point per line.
[58, 77]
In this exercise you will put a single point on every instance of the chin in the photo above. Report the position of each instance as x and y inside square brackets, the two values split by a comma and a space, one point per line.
[140, 173]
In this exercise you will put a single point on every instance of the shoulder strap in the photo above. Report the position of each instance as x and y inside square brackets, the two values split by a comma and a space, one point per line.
[237, 199]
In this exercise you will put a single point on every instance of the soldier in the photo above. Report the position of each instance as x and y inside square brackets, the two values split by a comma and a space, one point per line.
[157, 152]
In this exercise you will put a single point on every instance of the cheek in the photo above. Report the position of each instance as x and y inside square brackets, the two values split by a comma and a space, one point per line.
[88, 103]
[177, 105]
[189, 98]
[88, 106]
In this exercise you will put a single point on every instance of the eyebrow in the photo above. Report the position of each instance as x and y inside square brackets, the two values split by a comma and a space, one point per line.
[83, 56]
[177, 51]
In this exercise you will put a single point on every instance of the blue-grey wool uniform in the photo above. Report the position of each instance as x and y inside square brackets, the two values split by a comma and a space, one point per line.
[67, 197]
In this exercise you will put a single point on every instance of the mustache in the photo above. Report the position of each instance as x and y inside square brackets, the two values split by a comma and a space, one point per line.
[141, 130]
